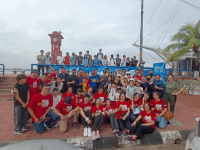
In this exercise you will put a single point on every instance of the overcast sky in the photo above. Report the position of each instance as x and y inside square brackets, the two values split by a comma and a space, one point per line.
[112, 25]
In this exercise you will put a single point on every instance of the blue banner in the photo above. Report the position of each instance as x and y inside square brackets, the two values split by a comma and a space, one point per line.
[160, 68]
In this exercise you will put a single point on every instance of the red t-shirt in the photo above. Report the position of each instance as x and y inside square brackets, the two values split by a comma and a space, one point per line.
[110, 109]
[84, 106]
[80, 99]
[101, 97]
[86, 83]
[94, 109]
[40, 104]
[34, 85]
[138, 103]
[124, 105]
[66, 108]
[67, 60]
[51, 75]
[148, 117]
[66, 94]
[158, 105]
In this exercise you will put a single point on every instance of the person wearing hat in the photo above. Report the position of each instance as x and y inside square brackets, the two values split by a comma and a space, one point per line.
[41, 60]
[73, 60]
[80, 59]
[100, 54]
[96, 61]
[112, 61]
[61, 59]
[123, 63]
[117, 61]
[67, 59]
[33, 83]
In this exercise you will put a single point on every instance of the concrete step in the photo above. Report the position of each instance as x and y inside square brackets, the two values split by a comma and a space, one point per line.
[6, 84]
[5, 87]
[4, 91]
[6, 99]
[8, 96]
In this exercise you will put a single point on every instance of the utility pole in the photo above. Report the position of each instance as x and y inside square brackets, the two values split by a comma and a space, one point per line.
[141, 30]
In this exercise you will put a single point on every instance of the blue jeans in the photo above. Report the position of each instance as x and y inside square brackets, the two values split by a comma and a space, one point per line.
[94, 90]
[133, 116]
[53, 117]
[126, 122]
[162, 122]
[39, 128]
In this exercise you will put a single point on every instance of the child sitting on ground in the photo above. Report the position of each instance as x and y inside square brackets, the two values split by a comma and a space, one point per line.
[110, 110]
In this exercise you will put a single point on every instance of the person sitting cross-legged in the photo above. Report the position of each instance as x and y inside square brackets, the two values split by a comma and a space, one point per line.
[146, 126]
[86, 115]
[66, 108]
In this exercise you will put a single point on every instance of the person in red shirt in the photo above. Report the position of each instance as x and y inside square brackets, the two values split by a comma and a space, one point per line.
[146, 126]
[44, 80]
[160, 108]
[69, 93]
[99, 118]
[135, 105]
[110, 111]
[34, 83]
[79, 96]
[101, 96]
[66, 108]
[86, 115]
[123, 110]
[67, 59]
[51, 73]
[72, 95]
[39, 107]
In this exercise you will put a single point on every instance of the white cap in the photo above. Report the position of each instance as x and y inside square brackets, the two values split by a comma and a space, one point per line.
[118, 75]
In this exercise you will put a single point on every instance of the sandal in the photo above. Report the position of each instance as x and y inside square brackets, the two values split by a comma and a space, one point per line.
[94, 136]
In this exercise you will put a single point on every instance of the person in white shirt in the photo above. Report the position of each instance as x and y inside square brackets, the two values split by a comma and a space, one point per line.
[60, 59]
[111, 93]
[123, 63]
[130, 90]
[112, 61]
[138, 89]
[116, 96]
[56, 100]
[58, 84]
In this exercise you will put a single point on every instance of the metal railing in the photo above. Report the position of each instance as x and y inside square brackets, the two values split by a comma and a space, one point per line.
[175, 72]
[3, 69]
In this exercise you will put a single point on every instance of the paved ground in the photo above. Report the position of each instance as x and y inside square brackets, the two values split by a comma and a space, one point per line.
[157, 147]
[186, 111]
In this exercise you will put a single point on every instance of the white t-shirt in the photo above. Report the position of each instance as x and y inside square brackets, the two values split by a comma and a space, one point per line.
[117, 96]
[112, 62]
[131, 91]
[112, 94]
[138, 90]
[59, 87]
[60, 60]
[55, 101]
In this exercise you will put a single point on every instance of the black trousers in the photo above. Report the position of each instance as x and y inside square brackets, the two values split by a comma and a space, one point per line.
[140, 130]
[39, 68]
[126, 122]
[20, 116]
[98, 122]
[88, 113]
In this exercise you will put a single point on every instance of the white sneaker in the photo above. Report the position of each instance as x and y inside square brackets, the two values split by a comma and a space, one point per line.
[85, 132]
[89, 132]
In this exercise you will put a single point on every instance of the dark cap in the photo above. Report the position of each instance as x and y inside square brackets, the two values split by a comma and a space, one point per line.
[119, 88]
[79, 90]
[95, 55]
[73, 53]
[34, 71]
[124, 55]
[117, 54]
[80, 52]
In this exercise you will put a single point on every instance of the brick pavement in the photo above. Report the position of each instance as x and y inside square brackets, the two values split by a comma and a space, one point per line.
[187, 109]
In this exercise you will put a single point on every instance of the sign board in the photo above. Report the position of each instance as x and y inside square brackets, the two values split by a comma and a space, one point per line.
[160, 68]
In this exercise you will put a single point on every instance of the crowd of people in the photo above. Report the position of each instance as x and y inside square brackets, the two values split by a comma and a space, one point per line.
[134, 104]
[85, 60]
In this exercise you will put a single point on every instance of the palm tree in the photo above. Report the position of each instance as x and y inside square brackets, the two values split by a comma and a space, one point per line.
[187, 40]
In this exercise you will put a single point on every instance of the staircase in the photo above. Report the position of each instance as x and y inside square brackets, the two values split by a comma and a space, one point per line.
[6, 83]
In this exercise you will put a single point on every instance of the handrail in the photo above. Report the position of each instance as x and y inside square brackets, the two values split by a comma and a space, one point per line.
[3, 69]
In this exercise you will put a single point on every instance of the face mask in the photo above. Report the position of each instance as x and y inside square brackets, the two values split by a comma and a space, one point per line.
[53, 82]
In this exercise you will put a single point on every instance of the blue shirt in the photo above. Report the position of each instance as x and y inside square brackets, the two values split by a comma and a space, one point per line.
[159, 84]
[96, 62]
[93, 80]
[85, 62]
[73, 61]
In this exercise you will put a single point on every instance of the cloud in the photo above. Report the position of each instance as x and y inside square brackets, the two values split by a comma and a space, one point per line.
[112, 25]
